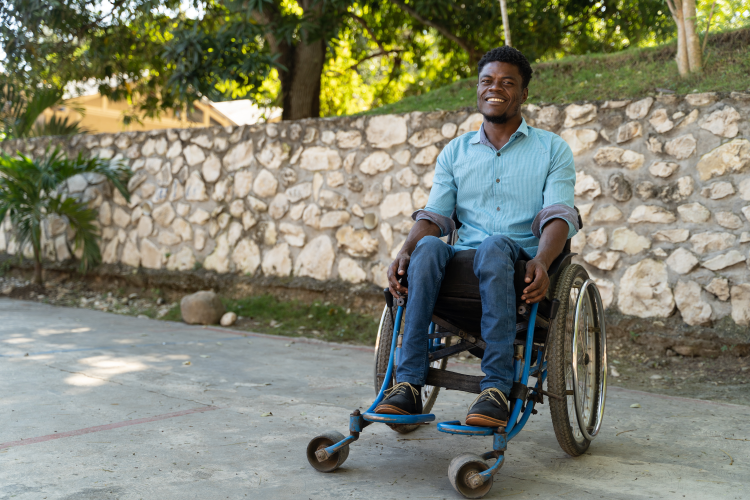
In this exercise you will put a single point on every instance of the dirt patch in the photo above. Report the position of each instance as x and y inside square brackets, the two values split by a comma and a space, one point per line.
[171, 286]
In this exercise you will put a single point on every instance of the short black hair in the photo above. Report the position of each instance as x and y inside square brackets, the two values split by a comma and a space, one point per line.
[509, 55]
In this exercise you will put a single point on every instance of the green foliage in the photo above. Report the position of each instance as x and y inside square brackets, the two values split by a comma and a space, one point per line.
[30, 191]
[158, 55]
[629, 74]
[22, 106]
[173, 314]
[330, 322]
[57, 126]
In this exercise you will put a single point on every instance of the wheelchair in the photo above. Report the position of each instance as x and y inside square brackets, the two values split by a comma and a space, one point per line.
[561, 341]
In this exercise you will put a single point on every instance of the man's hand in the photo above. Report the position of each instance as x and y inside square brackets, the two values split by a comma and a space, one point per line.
[396, 270]
[536, 274]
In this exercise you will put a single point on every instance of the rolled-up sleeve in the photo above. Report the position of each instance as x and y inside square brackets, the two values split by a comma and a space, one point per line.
[442, 200]
[559, 191]
[446, 224]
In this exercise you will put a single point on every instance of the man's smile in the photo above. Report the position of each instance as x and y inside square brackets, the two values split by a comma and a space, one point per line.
[494, 99]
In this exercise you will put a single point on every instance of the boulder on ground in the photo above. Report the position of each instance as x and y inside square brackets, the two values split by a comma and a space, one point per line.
[201, 308]
[228, 319]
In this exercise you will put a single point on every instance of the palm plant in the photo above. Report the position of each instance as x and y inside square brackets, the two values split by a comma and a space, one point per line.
[31, 190]
[21, 108]
[57, 126]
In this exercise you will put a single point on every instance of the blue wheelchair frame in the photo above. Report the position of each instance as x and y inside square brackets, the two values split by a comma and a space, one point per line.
[522, 371]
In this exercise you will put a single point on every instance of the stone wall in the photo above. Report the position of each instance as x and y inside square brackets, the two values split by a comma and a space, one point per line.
[663, 186]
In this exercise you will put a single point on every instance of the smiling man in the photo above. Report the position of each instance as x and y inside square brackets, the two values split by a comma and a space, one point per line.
[512, 188]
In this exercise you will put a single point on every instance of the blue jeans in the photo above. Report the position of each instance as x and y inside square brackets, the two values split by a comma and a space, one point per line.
[494, 266]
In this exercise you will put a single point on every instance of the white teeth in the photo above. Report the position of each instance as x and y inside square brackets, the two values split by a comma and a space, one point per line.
[493, 99]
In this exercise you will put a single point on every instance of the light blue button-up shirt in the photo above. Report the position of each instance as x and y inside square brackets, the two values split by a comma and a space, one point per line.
[529, 181]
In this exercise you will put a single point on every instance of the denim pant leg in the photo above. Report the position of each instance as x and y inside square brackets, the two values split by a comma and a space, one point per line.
[494, 266]
[426, 271]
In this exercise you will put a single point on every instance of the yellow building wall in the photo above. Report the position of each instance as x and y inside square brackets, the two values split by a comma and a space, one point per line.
[100, 115]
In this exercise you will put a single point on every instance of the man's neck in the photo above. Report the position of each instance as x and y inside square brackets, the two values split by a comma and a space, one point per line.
[499, 133]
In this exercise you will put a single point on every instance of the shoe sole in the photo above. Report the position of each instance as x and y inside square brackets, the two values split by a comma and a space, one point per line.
[390, 410]
[478, 420]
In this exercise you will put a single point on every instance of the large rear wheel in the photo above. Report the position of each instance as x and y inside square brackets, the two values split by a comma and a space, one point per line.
[576, 329]
[382, 354]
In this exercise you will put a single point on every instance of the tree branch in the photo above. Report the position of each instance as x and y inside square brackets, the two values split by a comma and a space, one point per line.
[367, 28]
[375, 54]
[672, 9]
[708, 27]
[115, 5]
[445, 32]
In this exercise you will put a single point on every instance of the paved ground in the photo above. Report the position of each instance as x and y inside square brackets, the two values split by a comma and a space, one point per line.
[106, 406]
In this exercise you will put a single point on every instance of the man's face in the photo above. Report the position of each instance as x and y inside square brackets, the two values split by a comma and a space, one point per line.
[500, 92]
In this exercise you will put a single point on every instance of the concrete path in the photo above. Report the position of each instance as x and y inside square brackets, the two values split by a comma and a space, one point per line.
[100, 406]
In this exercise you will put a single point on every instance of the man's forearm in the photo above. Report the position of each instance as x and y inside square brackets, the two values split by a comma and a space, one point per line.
[421, 229]
[552, 242]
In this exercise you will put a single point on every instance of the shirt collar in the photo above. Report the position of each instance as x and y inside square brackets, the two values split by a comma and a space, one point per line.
[481, 138]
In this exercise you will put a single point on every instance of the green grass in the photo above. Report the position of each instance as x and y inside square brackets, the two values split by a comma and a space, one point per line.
[174, 314]
[296, 319]
[624, 75]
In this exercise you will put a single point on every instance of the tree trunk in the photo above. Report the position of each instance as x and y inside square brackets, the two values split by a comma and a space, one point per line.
[300, 85]
[693, 43]
[37, 265]
[683, 64]
[506, 23]
[676, 9]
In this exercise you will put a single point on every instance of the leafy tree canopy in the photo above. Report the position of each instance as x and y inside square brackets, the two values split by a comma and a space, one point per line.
[311, 57]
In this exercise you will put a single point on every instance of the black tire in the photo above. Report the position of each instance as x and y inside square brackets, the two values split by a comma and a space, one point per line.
[382, 355]
[559, 355]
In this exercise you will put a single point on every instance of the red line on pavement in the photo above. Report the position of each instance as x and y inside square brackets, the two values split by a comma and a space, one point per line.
[89, 430]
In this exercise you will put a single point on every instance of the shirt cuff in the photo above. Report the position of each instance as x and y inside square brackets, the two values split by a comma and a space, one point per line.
[559, 211]
[446, 224]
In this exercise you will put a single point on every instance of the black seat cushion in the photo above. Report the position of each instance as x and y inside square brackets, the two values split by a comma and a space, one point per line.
[459, 301]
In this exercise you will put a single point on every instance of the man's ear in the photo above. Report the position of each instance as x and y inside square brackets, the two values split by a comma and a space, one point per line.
[525, 95]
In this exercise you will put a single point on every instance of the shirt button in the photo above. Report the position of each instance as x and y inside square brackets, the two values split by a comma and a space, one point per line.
[498, 153]
[497, 180]
[498, 209]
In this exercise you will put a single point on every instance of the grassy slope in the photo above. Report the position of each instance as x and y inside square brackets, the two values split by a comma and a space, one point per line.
[628, 74]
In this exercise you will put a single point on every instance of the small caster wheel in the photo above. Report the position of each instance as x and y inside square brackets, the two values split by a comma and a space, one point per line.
[462, 468]
[324, 441]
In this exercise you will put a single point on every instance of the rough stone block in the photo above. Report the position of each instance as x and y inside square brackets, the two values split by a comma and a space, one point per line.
[201, 308]
[644, 290]
[682, 261]
[385, 131]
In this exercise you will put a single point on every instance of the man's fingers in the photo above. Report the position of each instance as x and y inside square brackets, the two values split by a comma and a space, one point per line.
[402, 265]
[536, 297]
[538, 279]
[395, 271]
[536, 291]
[530, 271]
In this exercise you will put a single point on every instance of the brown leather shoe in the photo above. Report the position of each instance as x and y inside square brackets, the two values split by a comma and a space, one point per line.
[401, 399]
[490, 409]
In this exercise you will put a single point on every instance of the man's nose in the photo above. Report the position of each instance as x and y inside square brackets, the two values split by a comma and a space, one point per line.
[495, 85]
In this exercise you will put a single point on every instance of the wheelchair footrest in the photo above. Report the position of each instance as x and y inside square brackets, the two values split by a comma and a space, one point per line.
[455, 427]
[386, 418]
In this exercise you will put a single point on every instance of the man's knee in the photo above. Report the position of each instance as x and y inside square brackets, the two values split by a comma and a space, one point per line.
[431, 253]
[497, 243]
[431, 245]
